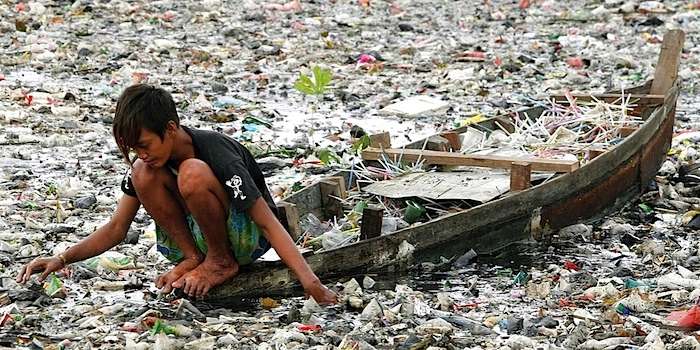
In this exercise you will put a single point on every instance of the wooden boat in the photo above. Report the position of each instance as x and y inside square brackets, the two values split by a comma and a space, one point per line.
[610, 179]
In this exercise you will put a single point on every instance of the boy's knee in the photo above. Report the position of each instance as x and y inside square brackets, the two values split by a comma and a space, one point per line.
[193, 176]
[143, 176]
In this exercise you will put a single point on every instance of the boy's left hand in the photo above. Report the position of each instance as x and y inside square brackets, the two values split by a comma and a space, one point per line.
[321, 294]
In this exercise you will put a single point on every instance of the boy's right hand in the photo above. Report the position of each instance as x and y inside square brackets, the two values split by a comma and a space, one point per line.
[43, 265]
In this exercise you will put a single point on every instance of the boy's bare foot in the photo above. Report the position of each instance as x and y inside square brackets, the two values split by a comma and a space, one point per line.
[165, 281]
[207, 275]
[321, 293]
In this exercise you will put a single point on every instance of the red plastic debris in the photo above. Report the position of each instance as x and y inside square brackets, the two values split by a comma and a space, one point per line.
[363, 3]
[6, 320]
[309, 328]
[21, 7]
[563, 302]
[570, 265]
[498, 61]
[689, 319]
[28, 99]
[524, 4]
[575, 62]
[2, 77]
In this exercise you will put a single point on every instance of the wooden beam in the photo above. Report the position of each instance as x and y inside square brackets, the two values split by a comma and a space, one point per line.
[520, 176]
[332, 192]
[381, 140]
[453, 139]
[667, 67]
[634, 98]
[289, 218]
[448, 158]
[372, 218]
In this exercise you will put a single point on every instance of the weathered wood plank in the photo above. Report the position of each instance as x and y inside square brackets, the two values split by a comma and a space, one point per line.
[372, 218]
[448, 158]
[332, 192]
[520, 173]
[289, 217]
[381, 140]
[666, 71]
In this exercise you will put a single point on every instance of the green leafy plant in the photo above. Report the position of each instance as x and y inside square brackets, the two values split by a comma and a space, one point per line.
[327, 156]
[316, 86]
[362, 143]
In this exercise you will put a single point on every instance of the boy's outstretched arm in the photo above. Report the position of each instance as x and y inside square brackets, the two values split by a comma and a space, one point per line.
[289, 253]
[104, 238]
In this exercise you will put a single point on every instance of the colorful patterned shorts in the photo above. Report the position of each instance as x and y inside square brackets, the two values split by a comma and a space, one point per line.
[246, 238]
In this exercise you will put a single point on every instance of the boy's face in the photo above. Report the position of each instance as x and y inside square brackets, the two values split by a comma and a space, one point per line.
[152, 150]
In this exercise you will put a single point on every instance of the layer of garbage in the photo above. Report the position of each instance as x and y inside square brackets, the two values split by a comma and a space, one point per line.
[295, 81]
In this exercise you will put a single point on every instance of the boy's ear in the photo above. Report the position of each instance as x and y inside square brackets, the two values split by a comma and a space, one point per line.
[171, 126]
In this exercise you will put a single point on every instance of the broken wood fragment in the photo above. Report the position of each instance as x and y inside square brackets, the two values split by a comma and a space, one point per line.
[381, 140]
[520, 174]
[372, 218]
[487, 161]
[289, 218]
[454, 141]
[666, 70]
[332, 192]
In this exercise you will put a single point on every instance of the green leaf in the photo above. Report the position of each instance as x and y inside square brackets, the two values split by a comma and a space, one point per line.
[53, 286]
[304, 85]
[362, 143]
[321, 78]
[327, 156]
[161, 327]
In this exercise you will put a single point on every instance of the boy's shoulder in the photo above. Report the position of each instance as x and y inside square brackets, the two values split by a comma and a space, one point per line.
[216, 145]
[210, 137]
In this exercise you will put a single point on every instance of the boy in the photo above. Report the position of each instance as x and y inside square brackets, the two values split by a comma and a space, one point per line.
[212, 209]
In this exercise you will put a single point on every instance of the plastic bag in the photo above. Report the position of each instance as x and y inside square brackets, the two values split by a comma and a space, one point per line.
[689, 319]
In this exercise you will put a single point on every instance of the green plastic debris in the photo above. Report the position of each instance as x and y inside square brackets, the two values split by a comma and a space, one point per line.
[646, 208]
[631, 283]
[114, 263]
[504, 272]
[521, 278]
[53, 287]
[257, 121]
[359, 207]
[413, 212]
[161, 327]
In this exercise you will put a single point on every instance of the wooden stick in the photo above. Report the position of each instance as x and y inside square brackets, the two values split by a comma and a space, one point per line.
[289, 218]
[371, 226]
[448, 158]
[667, 67]
[520, 176]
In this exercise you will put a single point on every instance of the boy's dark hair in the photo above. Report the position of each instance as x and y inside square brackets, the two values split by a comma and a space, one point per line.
[142, 106]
